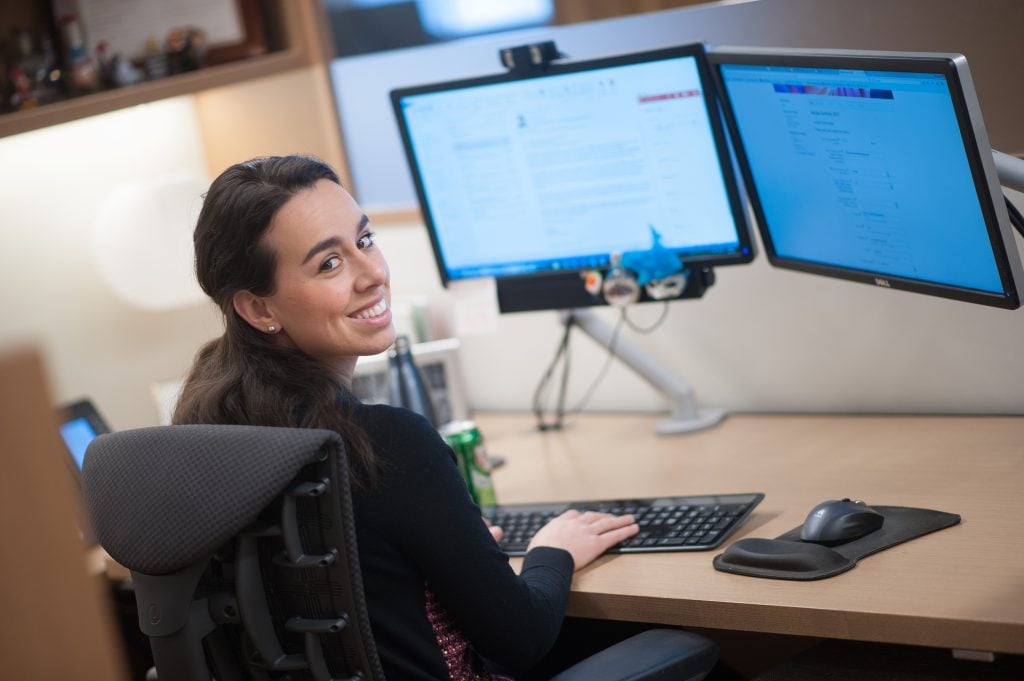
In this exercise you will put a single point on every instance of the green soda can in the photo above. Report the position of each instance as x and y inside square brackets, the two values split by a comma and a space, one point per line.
[471, 455]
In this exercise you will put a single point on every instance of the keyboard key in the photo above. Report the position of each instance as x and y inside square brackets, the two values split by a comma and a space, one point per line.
[681, 524]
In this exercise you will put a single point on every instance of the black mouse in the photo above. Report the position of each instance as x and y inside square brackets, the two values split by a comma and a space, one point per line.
[838, 521]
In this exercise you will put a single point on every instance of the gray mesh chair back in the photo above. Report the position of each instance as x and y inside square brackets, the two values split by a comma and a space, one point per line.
[242, 550]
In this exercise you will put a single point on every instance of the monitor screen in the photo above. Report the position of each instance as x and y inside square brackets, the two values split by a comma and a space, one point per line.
[531, 178]
[77, 434]
[871, 167]
[80, 423]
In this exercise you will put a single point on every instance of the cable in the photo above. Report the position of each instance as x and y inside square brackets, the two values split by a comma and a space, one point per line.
[561, 353]
[604, 370]
[623, 319]
[1016, 219]
[647, 329]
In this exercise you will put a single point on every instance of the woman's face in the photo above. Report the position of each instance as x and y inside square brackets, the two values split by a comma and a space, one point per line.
[333, 295]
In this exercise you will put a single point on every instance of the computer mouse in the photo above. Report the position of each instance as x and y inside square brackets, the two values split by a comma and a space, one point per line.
[840, 520]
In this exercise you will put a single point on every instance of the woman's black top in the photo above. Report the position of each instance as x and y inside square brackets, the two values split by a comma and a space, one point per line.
[418, 529]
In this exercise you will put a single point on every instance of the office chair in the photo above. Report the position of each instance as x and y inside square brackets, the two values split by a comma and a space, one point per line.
[243, 555]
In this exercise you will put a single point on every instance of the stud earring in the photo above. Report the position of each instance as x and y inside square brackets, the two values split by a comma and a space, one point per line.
[272, 329]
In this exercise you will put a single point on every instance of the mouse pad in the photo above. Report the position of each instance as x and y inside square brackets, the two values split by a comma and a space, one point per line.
[787, 557]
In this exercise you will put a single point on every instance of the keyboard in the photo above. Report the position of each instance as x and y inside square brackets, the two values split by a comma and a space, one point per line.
[691, 523]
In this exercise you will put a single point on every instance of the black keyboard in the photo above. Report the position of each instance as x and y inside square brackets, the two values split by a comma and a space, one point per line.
[694, 523]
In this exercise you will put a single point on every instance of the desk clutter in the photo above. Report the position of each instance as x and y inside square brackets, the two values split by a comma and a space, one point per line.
[788, 556]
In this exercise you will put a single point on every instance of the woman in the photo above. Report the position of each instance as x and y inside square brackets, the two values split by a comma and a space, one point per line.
[289, 257]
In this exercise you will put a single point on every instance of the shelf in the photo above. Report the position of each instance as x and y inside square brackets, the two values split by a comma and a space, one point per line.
[172, 86]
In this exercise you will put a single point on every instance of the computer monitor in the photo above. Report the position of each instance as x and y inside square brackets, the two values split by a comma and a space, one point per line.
[79, 424]
[873, 167]
[534, 176]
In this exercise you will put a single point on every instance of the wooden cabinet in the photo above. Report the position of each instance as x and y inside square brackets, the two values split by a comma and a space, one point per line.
[293, 23]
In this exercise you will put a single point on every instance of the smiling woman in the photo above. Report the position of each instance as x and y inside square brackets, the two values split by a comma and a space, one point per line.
[333, 287]
[288, 256]
[259, 373]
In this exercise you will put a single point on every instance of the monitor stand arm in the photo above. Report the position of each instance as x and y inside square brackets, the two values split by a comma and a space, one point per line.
[684, 415]
[1010, 170]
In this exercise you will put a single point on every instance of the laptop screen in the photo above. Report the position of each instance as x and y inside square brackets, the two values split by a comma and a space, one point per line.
[80, 422]
[77, 434]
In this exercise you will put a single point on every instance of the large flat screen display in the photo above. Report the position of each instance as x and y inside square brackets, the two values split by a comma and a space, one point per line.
[872, 167]
[534, 177]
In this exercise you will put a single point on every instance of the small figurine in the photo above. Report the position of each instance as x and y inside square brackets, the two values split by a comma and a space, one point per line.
[186, 50]
[108, 64]
[84, 75]
[658, 270]
[125, 73]
[23, 96]
[620, 287]
[155, 63]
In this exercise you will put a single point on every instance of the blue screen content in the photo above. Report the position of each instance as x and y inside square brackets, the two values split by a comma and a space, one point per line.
[863, 170]
[77, 434]
[560, 172]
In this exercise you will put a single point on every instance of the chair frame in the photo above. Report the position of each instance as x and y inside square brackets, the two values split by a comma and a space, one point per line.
[309, 611]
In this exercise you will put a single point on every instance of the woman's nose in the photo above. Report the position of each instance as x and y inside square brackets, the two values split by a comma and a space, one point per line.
[373, 271]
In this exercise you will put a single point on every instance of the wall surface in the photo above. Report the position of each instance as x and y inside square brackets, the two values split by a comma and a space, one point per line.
[54, 181]
[761, 339]
[986, 31]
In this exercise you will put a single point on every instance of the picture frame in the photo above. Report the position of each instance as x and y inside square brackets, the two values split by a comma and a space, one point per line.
[254, 42]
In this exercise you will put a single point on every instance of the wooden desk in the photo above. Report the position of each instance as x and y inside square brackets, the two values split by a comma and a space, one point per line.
[960, 588]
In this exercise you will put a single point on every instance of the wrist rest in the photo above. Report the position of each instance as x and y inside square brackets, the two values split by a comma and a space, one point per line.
[787, 557]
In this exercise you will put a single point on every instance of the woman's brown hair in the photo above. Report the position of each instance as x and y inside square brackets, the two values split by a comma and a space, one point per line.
[244, 377]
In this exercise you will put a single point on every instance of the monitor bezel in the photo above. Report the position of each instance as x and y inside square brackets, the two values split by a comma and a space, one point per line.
[562, 289]
[972, 132]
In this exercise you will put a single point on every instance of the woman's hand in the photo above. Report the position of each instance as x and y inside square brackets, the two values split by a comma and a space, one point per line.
[585, 535]
[496, 531]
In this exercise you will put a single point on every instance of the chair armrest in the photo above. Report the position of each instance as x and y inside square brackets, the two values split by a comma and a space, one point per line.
[654, 655]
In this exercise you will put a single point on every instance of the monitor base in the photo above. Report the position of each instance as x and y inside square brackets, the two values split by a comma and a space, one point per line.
[705, 418]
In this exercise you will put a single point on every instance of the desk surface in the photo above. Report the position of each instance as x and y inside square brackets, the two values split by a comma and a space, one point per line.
[962, 587]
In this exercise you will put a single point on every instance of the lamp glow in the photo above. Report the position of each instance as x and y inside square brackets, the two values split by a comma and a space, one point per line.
[142, 240]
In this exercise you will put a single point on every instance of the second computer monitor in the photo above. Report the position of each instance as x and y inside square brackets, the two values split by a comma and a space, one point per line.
[873, 167]
[536, 176]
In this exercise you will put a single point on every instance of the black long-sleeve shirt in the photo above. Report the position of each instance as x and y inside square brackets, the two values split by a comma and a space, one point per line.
[418, 529]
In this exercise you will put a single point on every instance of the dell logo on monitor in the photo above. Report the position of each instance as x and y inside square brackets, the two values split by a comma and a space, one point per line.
[882, 282]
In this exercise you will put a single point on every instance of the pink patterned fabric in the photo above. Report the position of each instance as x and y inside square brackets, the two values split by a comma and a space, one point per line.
[454, 645]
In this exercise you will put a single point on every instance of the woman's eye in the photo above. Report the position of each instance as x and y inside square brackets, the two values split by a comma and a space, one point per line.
[332, 263]
[365, 241]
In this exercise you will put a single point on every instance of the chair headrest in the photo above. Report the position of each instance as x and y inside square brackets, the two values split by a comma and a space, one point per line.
[163, 498]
